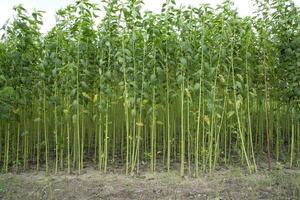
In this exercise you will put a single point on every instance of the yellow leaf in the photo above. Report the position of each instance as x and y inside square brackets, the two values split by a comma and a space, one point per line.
[206, 119]
[95, 98]
[139, 124]
[188, 93]
[86, 95]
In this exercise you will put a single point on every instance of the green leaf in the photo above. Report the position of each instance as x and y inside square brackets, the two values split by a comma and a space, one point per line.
[183, 61]
[230, 114]
[197, 86]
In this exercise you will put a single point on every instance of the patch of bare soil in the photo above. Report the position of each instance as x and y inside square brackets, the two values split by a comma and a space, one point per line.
[223, 184]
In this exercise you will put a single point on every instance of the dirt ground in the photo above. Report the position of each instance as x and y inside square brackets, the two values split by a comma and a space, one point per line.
[92, 184]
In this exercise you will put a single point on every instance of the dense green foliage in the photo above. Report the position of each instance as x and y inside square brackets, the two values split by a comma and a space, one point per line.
[197, 86]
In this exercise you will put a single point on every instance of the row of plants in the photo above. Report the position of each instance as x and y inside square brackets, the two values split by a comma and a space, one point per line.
[189, 88]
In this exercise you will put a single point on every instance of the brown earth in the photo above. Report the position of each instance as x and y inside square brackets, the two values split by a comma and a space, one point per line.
[92, 184]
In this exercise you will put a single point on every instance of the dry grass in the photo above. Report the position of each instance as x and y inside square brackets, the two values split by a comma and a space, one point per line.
[223, 184]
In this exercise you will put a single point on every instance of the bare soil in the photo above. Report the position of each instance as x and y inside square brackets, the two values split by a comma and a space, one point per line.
[92, 184]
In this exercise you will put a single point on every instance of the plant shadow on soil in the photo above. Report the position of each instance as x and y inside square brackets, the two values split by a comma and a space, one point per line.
[229, 183]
